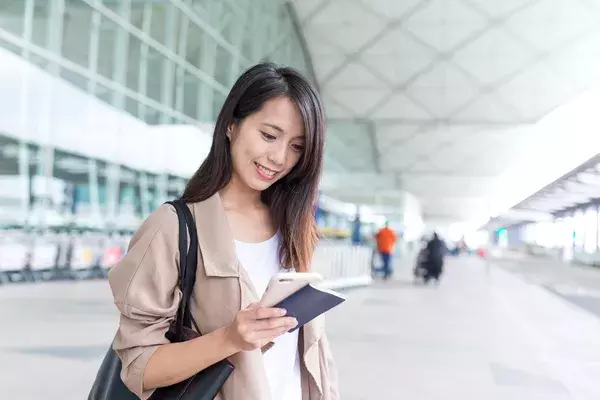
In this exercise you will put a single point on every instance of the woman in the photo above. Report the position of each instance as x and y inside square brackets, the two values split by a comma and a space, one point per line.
[252, 201]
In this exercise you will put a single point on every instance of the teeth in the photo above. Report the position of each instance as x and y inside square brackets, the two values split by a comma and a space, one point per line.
[266, 171]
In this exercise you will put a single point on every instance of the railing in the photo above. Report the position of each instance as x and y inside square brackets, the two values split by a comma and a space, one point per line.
[49, 257]
[342, 265]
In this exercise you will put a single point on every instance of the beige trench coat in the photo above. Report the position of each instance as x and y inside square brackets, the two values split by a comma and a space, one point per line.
[144, 285]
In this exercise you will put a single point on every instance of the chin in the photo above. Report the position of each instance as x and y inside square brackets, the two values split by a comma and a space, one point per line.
[261, 186]
[255, 184]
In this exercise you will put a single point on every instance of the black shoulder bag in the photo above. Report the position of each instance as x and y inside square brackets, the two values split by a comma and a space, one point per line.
[205, 385]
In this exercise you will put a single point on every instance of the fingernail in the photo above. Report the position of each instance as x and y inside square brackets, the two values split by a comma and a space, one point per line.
[282, 311]
[293, 321]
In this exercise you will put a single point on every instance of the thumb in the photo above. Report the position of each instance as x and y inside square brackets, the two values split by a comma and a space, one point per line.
[252, 305]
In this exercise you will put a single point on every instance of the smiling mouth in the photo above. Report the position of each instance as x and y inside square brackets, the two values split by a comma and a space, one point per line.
[268, 173]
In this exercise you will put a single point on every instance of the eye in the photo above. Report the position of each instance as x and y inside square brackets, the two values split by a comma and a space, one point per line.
[268, 136]
[298, 148]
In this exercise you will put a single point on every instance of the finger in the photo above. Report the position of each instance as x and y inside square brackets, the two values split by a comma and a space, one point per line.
[270, 334]
[252, 306]
[275, 323]
[266, 313]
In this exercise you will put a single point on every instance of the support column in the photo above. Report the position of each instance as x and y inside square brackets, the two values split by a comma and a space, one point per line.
[144, 194]
[113, 183]
[144, 50]
[168, 70]
[121, 55]
[180, 82]
[207, 58]
[24, 118]
[94, 191]
[54, 35]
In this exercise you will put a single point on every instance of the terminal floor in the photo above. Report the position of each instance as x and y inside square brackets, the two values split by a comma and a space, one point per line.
[484, 333]
[576, 283]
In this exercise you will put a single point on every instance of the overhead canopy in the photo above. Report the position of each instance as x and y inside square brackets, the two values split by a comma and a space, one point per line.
[579, 187]
[439, 97]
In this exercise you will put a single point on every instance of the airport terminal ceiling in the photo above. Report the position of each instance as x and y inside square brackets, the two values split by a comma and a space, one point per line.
[437, 97]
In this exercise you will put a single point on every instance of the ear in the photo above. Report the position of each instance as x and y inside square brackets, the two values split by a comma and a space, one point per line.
[230, 130]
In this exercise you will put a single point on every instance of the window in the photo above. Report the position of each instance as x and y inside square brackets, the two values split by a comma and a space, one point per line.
[591, 230]
[579, 229]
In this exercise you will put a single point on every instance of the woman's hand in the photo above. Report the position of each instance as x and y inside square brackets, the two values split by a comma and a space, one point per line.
[256, 326]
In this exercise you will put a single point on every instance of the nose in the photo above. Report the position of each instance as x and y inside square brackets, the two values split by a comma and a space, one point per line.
[278, 154]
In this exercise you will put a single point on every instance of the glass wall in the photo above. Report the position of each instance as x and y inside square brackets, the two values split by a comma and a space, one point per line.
[575, 233]
[112, 68]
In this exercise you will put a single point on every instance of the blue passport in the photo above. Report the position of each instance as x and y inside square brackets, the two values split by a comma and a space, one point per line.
[308, 303]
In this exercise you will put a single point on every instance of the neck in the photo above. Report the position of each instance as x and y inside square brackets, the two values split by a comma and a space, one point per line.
[238, 195]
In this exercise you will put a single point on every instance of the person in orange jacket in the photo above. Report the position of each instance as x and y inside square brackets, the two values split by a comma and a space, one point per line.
[386, 240]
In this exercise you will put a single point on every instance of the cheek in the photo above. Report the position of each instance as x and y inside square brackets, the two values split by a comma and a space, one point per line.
[242, 153]
[292, 160]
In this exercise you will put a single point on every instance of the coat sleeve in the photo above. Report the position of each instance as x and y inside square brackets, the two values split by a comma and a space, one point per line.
[145, 290]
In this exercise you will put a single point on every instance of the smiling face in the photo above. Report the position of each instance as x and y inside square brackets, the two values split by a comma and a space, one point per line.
[267, 144]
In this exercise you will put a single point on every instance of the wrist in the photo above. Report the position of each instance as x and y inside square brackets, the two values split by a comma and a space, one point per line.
[227, 341]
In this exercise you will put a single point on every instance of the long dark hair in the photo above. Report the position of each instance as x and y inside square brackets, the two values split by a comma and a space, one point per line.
[291, 199]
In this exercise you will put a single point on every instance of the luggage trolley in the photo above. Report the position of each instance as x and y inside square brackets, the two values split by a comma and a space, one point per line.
[14, 255]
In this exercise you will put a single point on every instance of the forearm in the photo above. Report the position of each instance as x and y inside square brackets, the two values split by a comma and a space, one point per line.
[175, 362]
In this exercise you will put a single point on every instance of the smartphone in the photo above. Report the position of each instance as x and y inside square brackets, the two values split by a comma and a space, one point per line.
[284, 284]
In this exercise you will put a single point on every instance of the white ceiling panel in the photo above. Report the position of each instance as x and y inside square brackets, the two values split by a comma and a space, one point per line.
[426, 142]
[346, 39]
[333, 109]
[454, 186]
[356, 76]
[537, 90]
[402, 160]
[392, 135]
[488, 107]
[439, 163]
[359, 100]
[328, 64]
[455, 153]
[398, 57]
[497, 9]
[401, 106]
[443, 89]
[348, 25]
[551, 23]
[444, 24]
[345, 13]
[391, 8]
[493, 56]
[319, 46]
[579, 62]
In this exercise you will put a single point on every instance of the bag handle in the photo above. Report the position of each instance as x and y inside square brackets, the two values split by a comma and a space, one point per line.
[188, 260]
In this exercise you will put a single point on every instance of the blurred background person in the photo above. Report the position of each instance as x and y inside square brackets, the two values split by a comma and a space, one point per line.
[386, 240]
[434, 265]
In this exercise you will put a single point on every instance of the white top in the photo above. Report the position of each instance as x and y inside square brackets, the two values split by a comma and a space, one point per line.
[282, 362]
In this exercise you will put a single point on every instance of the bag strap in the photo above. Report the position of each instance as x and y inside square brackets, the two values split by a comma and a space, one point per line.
[191, 265]
[188, 260]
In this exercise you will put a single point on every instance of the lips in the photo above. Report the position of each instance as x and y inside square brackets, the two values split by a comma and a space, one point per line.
[265, 172]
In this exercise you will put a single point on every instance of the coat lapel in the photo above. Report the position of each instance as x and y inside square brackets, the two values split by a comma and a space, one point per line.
[215, 238]
[311, 334]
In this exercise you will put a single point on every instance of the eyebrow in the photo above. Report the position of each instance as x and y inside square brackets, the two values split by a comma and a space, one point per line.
[273, 126]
